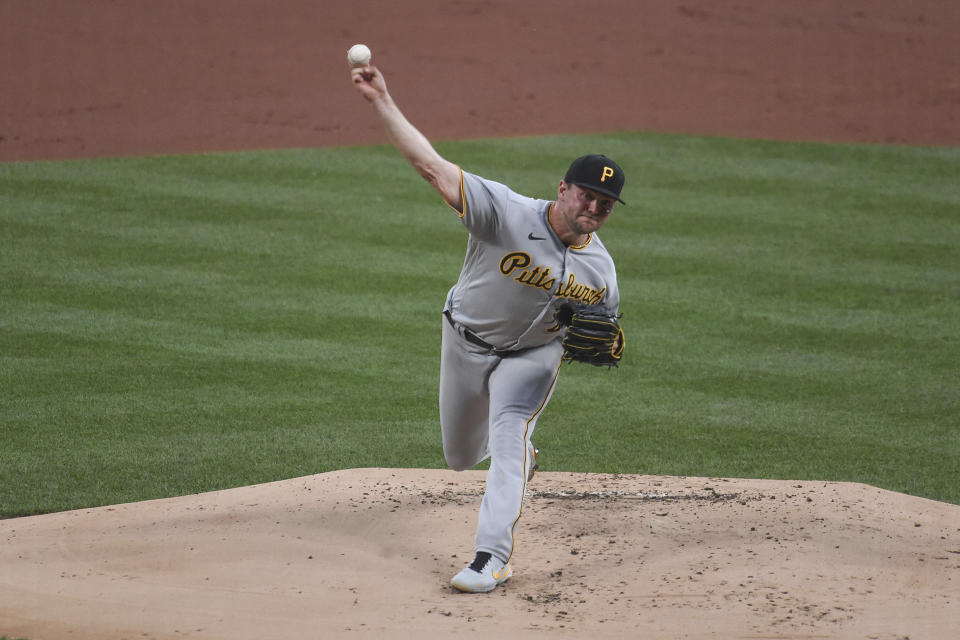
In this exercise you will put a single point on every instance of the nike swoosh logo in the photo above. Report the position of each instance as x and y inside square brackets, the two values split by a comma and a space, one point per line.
[502, 572]
[530, 236]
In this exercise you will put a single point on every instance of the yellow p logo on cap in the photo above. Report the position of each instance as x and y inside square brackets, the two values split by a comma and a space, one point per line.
[607, 173]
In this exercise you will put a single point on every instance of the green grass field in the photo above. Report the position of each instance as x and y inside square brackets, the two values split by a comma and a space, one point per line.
[171, 325]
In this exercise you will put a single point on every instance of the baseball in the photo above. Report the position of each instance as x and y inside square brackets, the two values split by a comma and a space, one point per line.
[358, 55]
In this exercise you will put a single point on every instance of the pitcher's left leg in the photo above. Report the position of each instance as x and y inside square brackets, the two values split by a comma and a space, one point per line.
[520, 388]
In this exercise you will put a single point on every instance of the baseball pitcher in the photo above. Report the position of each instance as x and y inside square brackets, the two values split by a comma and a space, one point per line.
[537, 288]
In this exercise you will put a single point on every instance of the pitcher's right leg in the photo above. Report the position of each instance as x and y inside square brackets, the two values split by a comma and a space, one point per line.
[464, 400]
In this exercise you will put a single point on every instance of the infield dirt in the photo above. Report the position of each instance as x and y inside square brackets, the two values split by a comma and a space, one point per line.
[121, 77]
[369, 552]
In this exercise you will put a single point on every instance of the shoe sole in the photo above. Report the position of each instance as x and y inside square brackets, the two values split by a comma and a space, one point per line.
[480, 589]
[535, 466]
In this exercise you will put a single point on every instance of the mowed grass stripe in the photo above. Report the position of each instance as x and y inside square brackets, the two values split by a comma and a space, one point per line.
[181, 324]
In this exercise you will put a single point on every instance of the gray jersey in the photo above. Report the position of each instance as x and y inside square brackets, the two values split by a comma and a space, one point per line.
[517, 272]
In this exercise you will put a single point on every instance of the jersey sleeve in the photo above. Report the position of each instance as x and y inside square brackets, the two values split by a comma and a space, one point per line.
[484, 203]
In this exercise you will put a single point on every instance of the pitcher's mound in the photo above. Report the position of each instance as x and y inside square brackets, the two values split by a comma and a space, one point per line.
[369, 552]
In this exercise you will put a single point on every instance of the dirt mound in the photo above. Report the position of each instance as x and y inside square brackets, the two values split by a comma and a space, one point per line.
[371, 551]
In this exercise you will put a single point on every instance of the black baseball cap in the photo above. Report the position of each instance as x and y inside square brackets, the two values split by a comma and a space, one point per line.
[598, 173]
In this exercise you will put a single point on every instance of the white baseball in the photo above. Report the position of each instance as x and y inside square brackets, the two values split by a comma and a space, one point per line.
[358, 55]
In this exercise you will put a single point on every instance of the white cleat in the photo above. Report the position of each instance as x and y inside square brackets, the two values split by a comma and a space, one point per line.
[534, 466]
[483, 574]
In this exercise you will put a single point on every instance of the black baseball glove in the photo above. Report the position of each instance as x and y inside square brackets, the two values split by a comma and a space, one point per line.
[593, 335]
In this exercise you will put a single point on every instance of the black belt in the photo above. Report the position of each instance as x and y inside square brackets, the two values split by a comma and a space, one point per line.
[473, 338]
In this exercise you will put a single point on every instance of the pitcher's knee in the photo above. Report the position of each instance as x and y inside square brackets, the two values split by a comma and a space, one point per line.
[458, 461]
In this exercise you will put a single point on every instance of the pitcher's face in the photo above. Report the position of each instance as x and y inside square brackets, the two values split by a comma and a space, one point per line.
[582, 211]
